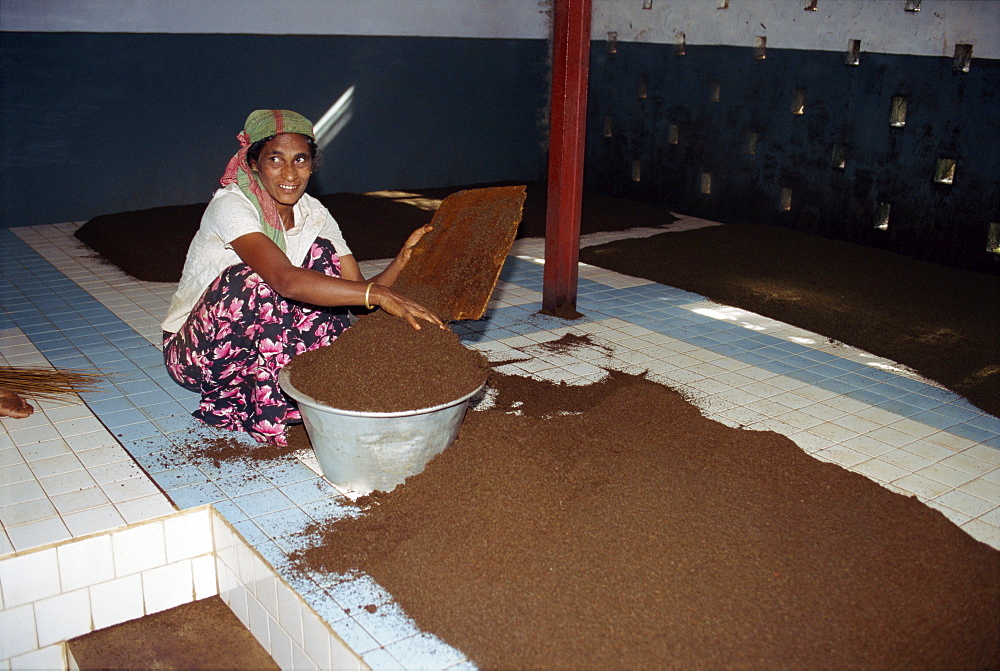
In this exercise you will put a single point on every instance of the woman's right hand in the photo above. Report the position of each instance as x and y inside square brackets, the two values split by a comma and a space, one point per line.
[401, 306]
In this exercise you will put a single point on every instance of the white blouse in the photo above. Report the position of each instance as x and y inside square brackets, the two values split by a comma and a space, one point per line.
[231, 215]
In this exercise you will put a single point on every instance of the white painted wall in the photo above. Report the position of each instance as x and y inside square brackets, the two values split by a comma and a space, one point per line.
[881, 25]
[525, 19]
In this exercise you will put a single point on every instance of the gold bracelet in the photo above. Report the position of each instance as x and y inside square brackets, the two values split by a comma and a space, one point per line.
[367, 292]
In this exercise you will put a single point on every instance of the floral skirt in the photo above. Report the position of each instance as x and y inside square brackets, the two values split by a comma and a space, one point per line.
[239, 335]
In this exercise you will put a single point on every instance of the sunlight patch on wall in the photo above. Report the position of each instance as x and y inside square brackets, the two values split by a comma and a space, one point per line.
[335, 118]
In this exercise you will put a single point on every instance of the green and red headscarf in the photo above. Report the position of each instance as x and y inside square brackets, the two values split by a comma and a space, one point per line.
[259, 125]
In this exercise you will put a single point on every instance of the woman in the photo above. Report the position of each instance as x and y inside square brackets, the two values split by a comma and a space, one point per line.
[279, 279]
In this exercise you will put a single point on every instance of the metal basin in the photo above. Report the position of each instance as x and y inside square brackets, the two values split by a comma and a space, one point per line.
[366, 451]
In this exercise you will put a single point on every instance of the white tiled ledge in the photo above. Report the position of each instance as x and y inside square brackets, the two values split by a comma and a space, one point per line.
[55, 593]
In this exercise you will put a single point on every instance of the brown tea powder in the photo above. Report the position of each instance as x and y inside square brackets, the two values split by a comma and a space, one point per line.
[636, 533]
[382, 364]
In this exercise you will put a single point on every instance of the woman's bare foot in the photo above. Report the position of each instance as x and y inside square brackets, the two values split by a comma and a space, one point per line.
[12, 405]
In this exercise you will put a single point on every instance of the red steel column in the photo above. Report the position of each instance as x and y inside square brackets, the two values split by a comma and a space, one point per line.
[567, 129]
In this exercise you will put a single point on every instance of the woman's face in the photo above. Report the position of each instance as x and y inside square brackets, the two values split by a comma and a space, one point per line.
[285, 164]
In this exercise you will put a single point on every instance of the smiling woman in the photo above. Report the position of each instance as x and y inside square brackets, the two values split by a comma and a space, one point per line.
[268, 276]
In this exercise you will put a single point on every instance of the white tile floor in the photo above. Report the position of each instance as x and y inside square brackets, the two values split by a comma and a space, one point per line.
[63, 474]
[94, 465]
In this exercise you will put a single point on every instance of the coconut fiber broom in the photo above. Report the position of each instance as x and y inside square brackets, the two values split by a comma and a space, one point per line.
[46, 383]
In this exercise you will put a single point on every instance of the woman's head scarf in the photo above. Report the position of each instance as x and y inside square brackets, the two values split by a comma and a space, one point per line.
[259, 125]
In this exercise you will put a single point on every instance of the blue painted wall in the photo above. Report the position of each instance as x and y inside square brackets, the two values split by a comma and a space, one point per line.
[949, 115]
[98, 122]
[95, 123]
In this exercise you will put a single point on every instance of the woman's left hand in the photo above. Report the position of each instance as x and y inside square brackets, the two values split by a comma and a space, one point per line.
[387, 277]
[411, 242]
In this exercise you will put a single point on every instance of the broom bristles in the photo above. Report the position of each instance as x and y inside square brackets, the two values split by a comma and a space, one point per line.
[47, 383]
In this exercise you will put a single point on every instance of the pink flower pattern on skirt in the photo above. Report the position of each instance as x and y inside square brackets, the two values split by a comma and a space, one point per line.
[239, 335]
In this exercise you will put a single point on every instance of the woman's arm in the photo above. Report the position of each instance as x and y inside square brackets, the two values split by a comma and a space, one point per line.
[310, 286]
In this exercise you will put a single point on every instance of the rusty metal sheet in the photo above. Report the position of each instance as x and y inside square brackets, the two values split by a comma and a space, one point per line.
[455, 267]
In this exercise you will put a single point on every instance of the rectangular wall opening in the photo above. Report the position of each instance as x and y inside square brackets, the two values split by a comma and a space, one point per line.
[799, 101]
[944, 171]
[785, 202]
[882, 216]
[706, 183]
[839, 159]
[897, 113]
[608, 126]
[751, 143]
[963, 57]
[993, 239]
[636, 170]
[853, 55]
[760, 47]
[673, 134]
